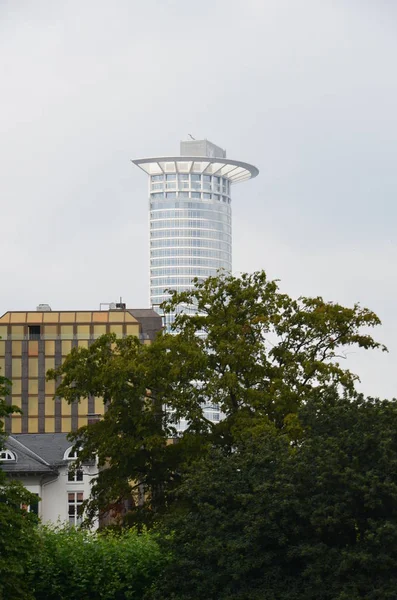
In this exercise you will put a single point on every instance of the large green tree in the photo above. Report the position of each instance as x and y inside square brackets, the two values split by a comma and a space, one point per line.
[131, 439]
[254, 351]
[17, 525]
[316, 520]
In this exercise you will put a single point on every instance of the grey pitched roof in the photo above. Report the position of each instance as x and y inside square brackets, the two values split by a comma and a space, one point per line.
[151, 322]
[39, 453]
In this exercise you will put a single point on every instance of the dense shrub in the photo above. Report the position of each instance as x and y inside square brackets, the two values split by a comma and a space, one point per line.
[74, 564]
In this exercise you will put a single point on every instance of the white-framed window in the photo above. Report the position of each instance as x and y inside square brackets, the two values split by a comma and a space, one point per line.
[75, 500]
[7, 455]
[74, 475]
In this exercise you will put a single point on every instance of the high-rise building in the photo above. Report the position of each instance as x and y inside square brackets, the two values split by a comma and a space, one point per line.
[31, 342]
[190, 220]
[190, 215]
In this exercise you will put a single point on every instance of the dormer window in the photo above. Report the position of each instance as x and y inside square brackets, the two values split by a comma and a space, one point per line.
[71, 453]
[74, 474]
[7, 455]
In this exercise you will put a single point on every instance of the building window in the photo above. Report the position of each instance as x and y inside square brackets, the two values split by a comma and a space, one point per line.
[32, 508]
[171, 177]
[75, 475]
[34, 332]
[7, 455]
[75, 501]
[71, 453]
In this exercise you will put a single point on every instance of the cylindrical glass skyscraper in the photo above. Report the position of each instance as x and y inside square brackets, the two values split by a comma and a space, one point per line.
[190, 215]
[190, 221]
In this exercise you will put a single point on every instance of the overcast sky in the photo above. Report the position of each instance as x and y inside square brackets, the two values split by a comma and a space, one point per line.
[306, 91]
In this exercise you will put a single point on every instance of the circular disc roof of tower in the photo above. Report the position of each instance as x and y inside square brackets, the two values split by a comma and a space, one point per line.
[234, 170]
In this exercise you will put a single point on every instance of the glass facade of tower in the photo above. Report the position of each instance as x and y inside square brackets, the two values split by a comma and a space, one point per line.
[190, 231]
[190, 221]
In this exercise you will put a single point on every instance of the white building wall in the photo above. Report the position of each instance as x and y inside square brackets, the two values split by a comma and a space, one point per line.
[53, 506]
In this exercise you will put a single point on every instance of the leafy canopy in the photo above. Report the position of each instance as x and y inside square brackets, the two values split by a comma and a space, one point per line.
[253, 348]
[273, 521]
[256, 352]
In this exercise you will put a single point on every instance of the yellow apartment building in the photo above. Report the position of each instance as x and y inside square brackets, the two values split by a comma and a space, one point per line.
[33, 342]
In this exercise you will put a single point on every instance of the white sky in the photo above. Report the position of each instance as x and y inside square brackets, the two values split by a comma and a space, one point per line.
[306, 91]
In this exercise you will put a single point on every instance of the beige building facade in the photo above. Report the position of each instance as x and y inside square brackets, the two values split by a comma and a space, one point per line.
[32, 342]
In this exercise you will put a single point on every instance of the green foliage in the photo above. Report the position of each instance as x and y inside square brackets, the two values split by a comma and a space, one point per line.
[273, 520]
[256, 352]
[17, 526]
[73, 564]
[131, 439]
[17, 540]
